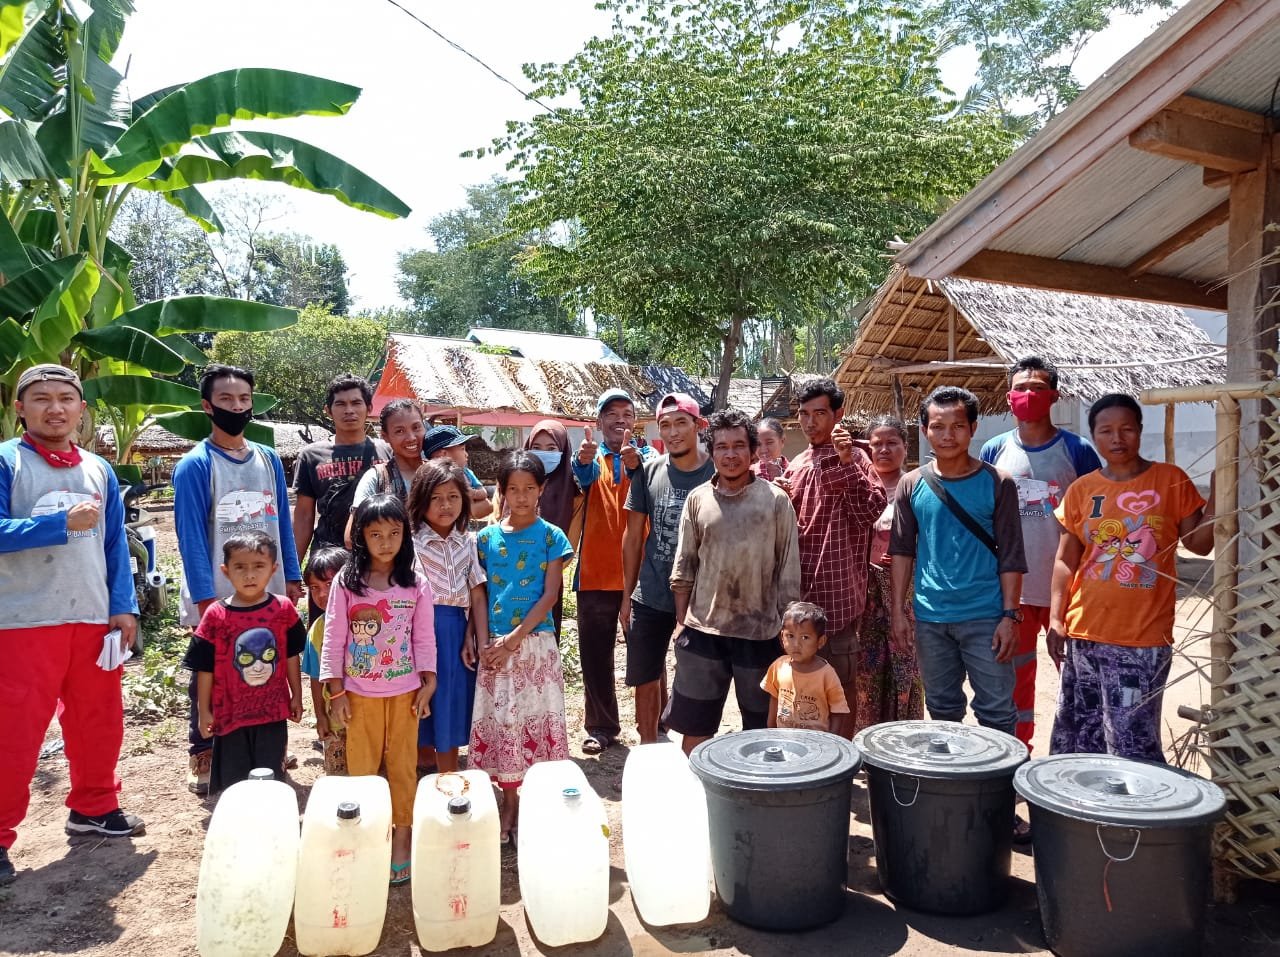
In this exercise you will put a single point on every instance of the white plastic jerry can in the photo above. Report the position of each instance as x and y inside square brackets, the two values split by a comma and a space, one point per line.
[563, 855]
[457, 866]
[665, 837]
[344, 865]
[247, 873]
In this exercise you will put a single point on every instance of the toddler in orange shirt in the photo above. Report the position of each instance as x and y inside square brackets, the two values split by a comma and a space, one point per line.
[804, 690]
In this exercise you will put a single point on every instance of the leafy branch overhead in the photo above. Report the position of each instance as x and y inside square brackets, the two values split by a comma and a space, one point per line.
[738, 158]
[74, 144]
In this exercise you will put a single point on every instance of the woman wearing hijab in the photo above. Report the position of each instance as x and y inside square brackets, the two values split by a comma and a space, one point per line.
[549, 443]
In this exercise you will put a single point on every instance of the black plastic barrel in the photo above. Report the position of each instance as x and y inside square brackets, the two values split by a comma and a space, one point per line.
[778, 809]
[942, 812]
[1122, 854]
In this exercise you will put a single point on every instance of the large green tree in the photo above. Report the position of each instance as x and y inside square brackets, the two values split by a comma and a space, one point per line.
[74, 144]
[295, 270]
[1027, 50]
[738, 158]
[471, 278]
[296, 364]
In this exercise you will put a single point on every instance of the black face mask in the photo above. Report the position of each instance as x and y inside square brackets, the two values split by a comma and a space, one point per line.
[233, 423]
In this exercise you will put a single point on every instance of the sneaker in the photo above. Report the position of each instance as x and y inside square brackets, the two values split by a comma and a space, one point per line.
[7, 872]
[198, 767]
[112, 824]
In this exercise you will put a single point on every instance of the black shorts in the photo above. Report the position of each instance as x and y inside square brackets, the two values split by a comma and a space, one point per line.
[705, 665]
[647, 644]
[237, 753]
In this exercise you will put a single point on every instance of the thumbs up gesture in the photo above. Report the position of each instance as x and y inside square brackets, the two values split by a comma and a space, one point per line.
[843, 442]
[630, 454]
[587, 450]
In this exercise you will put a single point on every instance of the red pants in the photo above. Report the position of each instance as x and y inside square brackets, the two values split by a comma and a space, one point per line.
[40, 666]
[1034, 619]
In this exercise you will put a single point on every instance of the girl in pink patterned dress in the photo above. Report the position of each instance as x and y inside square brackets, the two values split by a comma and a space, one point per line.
[519, 710]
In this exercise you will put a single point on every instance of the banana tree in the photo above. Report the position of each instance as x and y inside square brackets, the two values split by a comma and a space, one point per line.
[73, 145]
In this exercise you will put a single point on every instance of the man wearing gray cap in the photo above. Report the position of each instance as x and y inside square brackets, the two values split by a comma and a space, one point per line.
[603, 472]
[66, 589]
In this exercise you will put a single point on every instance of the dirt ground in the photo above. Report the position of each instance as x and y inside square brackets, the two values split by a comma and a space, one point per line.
[117, 898]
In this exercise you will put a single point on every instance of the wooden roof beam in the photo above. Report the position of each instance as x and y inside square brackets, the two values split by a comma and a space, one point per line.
[1063, 275]
[1184, 237]
[1207, 134]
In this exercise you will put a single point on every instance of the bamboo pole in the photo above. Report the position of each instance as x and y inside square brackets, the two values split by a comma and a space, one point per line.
[1169, 434]
[1209, 393]
[1226, 525]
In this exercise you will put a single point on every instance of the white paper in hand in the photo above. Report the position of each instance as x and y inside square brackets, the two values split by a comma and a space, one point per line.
[112, 657]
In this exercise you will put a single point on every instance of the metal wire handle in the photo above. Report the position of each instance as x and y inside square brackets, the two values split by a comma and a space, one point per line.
[893, 789]
[1137, 838]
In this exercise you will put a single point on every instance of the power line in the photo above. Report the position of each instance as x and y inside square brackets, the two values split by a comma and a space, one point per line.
[469, 55]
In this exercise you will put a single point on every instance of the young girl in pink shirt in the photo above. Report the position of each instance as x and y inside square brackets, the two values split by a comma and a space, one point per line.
[379, 658]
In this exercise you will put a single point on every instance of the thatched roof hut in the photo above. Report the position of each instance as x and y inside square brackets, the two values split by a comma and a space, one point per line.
[157, 442]
[916, 334]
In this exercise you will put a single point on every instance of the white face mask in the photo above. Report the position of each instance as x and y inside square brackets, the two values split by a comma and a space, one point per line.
[550, 459]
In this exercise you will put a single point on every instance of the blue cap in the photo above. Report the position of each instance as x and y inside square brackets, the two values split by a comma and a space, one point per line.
[441, 437]
[611, 395]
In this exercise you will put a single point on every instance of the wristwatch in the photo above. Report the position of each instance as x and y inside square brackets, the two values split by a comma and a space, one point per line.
[1014, 613]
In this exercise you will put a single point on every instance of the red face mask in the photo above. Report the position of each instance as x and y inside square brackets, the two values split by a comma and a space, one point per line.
[1032, 406]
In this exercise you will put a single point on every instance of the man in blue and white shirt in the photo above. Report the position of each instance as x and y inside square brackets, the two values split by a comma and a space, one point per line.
[1043, 460]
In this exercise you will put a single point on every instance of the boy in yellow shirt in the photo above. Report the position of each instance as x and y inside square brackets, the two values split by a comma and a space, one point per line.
[804, 690]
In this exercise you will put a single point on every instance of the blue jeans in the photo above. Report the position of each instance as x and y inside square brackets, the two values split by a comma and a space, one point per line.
[949, 650]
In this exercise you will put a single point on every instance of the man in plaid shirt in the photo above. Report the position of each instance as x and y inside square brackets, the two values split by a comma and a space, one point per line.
[837, 503]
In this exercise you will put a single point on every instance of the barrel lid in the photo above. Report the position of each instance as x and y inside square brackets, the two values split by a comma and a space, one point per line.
[261, 774]
[459, 805]
[940, 749]
[348, 811]
[1106, 789]
[775, 759]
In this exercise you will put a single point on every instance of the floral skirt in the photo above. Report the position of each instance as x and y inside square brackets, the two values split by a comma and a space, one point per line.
[519, 713]
[888, 682]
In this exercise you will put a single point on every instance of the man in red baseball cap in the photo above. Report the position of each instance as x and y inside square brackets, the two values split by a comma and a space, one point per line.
[656, 498]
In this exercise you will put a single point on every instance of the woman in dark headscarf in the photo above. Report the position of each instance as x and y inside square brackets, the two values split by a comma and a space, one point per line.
[549, 442]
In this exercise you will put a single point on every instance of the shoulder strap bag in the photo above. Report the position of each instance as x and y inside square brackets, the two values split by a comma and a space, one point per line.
[936, 486]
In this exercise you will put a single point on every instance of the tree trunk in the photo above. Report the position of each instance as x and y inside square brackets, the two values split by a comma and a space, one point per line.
[728, 357]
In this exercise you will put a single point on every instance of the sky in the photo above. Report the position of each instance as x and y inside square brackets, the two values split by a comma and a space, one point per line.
[423, 102]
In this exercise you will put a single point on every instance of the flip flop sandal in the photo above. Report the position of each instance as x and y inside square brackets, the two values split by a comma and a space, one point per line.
[399, 874]
[595, 743]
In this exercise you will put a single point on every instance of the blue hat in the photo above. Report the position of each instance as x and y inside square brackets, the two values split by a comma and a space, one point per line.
[441, 437]
[611, 395]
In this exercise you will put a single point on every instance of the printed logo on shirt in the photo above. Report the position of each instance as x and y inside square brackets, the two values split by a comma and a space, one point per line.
[1123, 548]
[245, 510]
[63, 500]
[256, 654]
[1036, 498]
[340, 468]
[664, 528]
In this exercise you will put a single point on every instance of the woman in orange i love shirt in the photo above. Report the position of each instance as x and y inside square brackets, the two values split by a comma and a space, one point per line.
[1114, 589]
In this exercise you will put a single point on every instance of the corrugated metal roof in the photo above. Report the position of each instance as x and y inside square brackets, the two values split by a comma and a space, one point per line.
[1077, 191]
[547, 345]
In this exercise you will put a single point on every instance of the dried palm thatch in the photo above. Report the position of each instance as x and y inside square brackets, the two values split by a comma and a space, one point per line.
[978, 329]
[1244, 750]
[444, 373]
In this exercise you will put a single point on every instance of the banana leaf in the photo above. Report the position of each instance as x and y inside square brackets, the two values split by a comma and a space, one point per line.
[29, 85]
[207, 314]
[13, 258]
[25, 292]
[273, 158]
[102, 113]
[104, 28]
[204, 105]
[21, 157]
[121, 390]
[118, 341]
